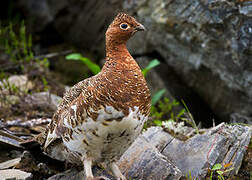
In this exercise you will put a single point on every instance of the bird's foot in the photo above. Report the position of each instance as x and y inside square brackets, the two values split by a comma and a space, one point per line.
[116, 171]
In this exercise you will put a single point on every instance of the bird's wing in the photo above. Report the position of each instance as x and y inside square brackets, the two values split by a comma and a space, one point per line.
[56, 123]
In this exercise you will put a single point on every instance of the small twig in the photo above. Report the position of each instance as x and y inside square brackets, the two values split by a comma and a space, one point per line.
[29, 123]
[213, 123]
[192, 122]
[194, 131]
[53, 54]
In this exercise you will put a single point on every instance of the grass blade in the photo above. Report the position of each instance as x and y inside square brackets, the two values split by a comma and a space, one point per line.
[151, 65]
[94, 68]
[157, 96]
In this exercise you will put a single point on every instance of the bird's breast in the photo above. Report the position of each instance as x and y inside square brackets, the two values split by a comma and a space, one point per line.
[126, 88]
[108, 136]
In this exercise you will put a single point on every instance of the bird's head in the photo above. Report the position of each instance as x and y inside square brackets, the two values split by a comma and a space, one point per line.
[122, 28]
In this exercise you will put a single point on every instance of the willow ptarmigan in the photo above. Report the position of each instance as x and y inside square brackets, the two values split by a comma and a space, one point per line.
[101, 116]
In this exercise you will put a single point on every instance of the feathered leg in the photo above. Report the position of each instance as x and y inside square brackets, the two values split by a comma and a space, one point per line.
[116, 171]
[88, 168]
[87, 162]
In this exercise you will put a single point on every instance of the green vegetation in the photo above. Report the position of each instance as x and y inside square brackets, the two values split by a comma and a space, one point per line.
[164, 111]
[189, 176]
[11, 88]
[157, 97]
[94, 68]
[190, 119]
[15, 42]
[150, 66]
[220, 170]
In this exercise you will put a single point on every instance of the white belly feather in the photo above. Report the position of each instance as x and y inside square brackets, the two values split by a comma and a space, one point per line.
[110, 140]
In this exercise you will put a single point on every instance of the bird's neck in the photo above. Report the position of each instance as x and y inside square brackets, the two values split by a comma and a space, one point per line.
[116, 50]
[117, 54]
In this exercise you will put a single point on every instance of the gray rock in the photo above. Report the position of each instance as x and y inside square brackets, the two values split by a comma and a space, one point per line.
[12, 99]
[143, 161]
[246, 8]
[43, 100]
[9, 141]
[20, 82]
[74, 174]
[9, 100]
[222, 144]
[71, 174]
[10, 163]
[14, 174]
[157, 137]
[158, 155]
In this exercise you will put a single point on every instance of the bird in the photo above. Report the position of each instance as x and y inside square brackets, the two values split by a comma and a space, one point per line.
[100, 117]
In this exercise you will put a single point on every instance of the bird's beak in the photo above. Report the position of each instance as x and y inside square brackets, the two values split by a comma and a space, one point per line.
[140, 27]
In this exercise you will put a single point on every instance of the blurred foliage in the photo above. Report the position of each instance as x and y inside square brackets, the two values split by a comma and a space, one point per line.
[17, 56]
[11, 88]
[153, 63]
[157, 96]
[164, 111]
[15, 42]
[94, 68]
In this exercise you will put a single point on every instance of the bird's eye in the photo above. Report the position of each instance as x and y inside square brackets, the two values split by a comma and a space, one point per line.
[124, 26]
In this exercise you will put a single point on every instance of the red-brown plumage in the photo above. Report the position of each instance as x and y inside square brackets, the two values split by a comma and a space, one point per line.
[101, 116]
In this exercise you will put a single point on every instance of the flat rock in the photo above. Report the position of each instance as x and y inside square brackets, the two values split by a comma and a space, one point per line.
[8, 140]
[71, 174]
[225, 144]
[143, 161]
[19, 81]
[157, 137]
[10, 163]
[43, 100]
[14, 174]
[75, 174]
